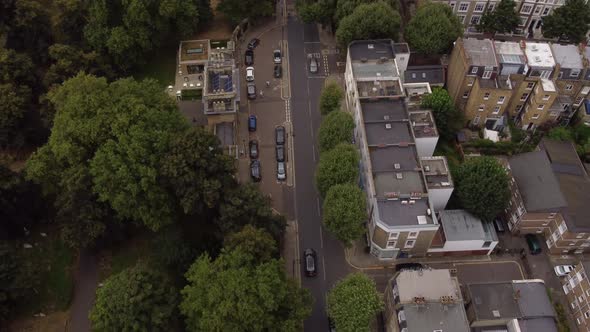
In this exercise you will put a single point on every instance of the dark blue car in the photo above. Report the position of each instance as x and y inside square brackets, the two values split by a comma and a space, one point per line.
[252, 123]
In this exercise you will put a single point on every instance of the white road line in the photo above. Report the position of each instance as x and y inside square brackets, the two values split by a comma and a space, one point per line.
[319, 207]
[324, 267]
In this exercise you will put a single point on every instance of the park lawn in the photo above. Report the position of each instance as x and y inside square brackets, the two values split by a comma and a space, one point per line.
[161, 66]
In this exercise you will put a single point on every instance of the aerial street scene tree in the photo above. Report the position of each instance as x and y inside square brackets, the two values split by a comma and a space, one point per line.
[448, 118]
[369, 21]
[336, 128]
[569, 22]
[337, 166]
[502, 19]
[345, 212]
[433, 29]
[331, 98]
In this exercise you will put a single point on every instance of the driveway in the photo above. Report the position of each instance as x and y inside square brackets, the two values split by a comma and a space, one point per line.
[86, 283]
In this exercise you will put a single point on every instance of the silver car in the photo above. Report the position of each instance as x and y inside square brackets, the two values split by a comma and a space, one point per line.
[276, 54]
[281, 174]
[313, 65]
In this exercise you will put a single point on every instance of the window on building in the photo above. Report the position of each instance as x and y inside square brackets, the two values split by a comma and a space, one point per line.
[578, 320]
[474, 70]
[524, 96]
[562, 228]
[539, 24]
[575, 73]
[560, 74]
[413, 75]
[546, 97]
[479, 7]
[530, 85]
[535, 116]
[540, 106]
[476, 120]
[545, 74]
[545, 12]
[391, 244]
[466, 94]
[393, 236]
[481, 108]
[578, 101]
[412, 235]
[526, 9]
[491, 6]
[573, 304]
[475, 19]
[518, 108]
[538, 10]
[461, 18]
[587, 314]
[585, 90]
[452, 4]
[486, 96]
[410, 243]
[496, 109]
[463, 6]
[486, 74]
[486, 244]
[423, 75]
[470, 82]
[501, 99]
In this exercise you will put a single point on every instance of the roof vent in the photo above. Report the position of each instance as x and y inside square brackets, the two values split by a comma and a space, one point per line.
[412, 201]
[404, 202]
[422, 220]
[537, 59]
[534, 48]
[496, 313]
[370, 46]
[399, 176]
[364, 60]
[386, 117]
[388, 126]
[427, 168]
[396, 166]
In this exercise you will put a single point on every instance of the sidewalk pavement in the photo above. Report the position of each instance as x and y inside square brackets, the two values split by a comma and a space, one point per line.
[291, 251]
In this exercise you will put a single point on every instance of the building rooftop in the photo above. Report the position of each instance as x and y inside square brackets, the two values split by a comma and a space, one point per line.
[431, 74]
[194, 50]
[539, 55]
[423, 124]
[383, 110]
[460, 225]
[371, 49]
[437, 172]
[547, 85]
[536, 182]
[430, 284]
[370, 71]
[393, 158]
[225, 132]
[398, 181]
[509, 52]
[436, 317]
[388, 132]
[522, 299]
[397, 213]
[379, 88]
[568, 56]
[573, 182]
[480, 51]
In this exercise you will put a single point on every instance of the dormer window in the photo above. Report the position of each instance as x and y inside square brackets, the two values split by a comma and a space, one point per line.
[575, 73]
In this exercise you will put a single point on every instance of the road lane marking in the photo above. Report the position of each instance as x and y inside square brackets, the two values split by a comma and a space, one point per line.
[324, 267]
[319, 207]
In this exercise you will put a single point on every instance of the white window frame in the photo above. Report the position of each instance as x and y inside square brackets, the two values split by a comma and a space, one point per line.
[525, 5]
[587, 314]
[540, 107]
[546, 97]
[481, 108]
[461, 4]
[474, 70]
[524, 96]
[535, 116]
[461, 18]
[501, 99]
[486, 96]
[411, 237]
[486, 74]
[391, 244]
[537, 10]
[476, 120]
[569, 87]
[575, 73]
[478, 4]
[476, 18]
[496, 110]
[545, 74]
[393, 236]
[585, 90]
[546, 11]
[453, 4]
[466, 95]
[530, 85]
[410, 244]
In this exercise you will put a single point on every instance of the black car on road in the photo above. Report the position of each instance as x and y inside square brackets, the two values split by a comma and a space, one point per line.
[255, 170]
[249, 57]
[253, 149]
[310, 260]
[280, 152]
[278, 71]
[253, 43]
[280, 135]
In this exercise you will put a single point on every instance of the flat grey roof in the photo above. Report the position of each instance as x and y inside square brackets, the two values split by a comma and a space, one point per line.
[383, 159]
[388, 182]
[545, 324]
[379, 110]
[436, 316]
[423, 124]
[481, 52]
[436, 171]
[394, 213]
[193, 112]
[509, 52]
[378, 133]
[568, 56]
[374, 71]
[493, 298]
[431, 284]
[225, 132]
[431, 74]
[460, 225]
[360, 49]
[536, 182]
[533, 300]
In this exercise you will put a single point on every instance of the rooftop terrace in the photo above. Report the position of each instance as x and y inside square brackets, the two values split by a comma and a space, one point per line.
[480, 52]
[193, 50]
[423, 124]
[404, 212]
[371, 49]
[437, 172]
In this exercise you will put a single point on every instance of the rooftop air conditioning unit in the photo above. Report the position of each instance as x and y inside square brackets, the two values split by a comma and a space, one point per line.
[427, 168]
[412, 201]
[386, 117]
[399, 176]
[388, 126]
[396, 166]
[370, 46]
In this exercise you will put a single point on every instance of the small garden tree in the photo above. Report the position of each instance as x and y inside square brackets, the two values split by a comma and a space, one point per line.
[369, 21]
[433, 29]
[503, 19]
[353, 303]
[331, 98]
[570, 21]
[337, 166]
[448, 119]
[336, 128]
[345, 212]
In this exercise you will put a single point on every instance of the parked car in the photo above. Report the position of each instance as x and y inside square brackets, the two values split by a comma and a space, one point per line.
[499, 225]
[250, 74]
[253, 43]
[533, 242]
[280, 152]
[276, 56]
[278, 71]
[408, 266]
[281, 171]
[255, 170]
[251, 88]
[563, 270]
[252, 123]
[310, 262]
[280, 135]
[249, 58]
[313, 65]
[253, 149]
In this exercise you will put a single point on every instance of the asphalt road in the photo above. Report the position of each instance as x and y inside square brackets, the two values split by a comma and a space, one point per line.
[303, 40]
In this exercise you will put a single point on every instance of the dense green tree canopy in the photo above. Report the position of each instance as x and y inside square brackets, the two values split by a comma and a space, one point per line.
[237, 10]
[433, 29]
[353, 303]
[482, 187]
[503, 19]
[369, 21]
[321, 11]
[345, 212]
[139, 298]
[331, 97]
[347, 7]
[336, 128]
[14, 102]
[337, 166]
[252, 241]
[448, 119]
[570, 21]
[241, 292]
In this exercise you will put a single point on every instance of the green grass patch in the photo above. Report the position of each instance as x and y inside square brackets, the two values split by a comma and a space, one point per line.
[161, 66]
[192, 94]
[444, 148]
